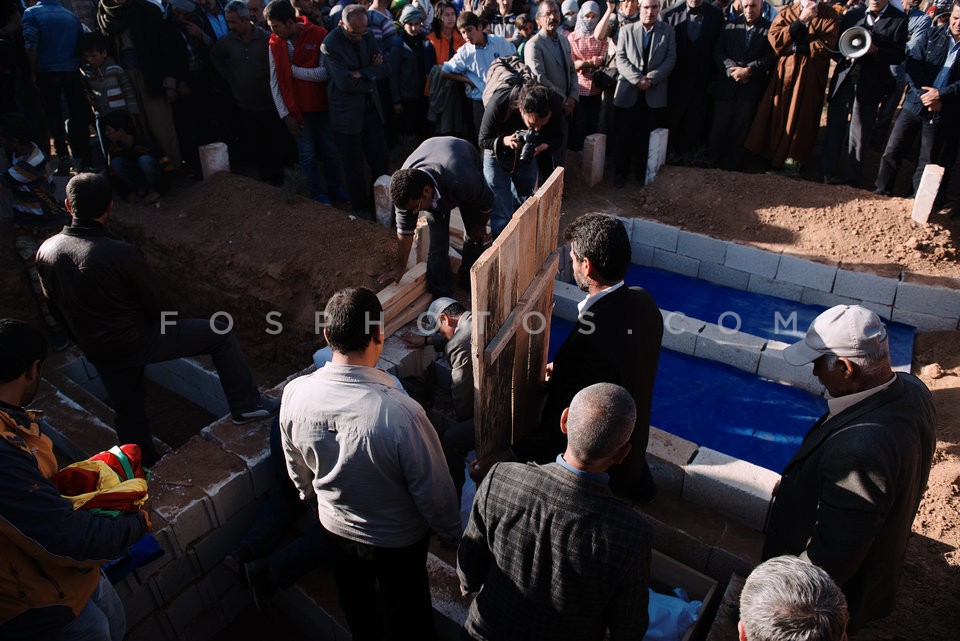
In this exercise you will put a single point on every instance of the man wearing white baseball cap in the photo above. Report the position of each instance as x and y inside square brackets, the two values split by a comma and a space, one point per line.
[847, 499]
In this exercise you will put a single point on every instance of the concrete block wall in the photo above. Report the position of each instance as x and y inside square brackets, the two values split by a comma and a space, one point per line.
[928, 303]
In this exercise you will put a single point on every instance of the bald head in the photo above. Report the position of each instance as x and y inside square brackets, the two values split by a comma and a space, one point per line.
[599, 422]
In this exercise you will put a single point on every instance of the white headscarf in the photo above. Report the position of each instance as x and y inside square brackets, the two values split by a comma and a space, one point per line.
[585, 27]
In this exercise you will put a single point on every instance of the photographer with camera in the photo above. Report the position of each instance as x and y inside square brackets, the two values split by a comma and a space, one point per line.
[519, 125]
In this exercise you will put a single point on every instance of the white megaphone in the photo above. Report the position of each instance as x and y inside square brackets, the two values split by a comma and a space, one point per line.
[855, 42]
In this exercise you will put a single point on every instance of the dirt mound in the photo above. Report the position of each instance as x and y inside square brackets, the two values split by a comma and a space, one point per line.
[231, 244]
[860, 230]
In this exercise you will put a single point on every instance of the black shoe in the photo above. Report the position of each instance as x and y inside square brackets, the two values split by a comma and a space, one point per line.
[881, 192]
[261, 585]
[268, 407]
[619, 181]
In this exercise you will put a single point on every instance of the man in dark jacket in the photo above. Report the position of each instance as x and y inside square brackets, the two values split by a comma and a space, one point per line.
[355, 65]
[616, 340]
[100, 289]
[440, 175]
[744, 59]
[553, 554]
[932, 106]
[50, 583]
[698, 26]
[511, 156]
[148, 48]
[858, 88]
[847, 498]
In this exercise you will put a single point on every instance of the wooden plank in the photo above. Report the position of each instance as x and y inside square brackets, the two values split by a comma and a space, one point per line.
[527, 264]
[495, 409]
[508, 295]
[521, 365]
[407, 315]
[528, 388]
[484, 280]
[550, 196]
[528, 303]
[414, 275]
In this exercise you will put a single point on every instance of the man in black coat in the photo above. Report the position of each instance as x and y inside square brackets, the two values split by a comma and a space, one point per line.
[932, 105]
[744, 59]
[616, 340]
[847, 498]
[858, 88]
[698, 26]
[442, 174]
[102, 292]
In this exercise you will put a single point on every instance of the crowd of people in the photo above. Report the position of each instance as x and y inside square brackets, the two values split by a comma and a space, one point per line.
[551, 549]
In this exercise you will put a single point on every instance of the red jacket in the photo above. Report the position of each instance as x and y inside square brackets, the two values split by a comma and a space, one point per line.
[300, 95]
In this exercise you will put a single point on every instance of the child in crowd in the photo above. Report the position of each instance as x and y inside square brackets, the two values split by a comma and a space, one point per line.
[107, 84]
[137, 165]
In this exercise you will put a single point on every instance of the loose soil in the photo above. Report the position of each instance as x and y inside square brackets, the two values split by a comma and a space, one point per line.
[232, 244]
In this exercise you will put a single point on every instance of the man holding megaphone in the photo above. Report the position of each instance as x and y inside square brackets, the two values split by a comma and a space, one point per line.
[872, 39]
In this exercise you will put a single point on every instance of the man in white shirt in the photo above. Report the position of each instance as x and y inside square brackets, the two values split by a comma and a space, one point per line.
[354, 439]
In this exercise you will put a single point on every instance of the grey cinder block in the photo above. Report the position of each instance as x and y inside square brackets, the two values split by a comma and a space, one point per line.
[680, 332]
[807, 273]
[675, 263]
[701, 247]
[773, 287]
[751, 259]
[866, 287]
[913, 296]
[731, 486]
[722, 275]
[733, 348]
[658, 235]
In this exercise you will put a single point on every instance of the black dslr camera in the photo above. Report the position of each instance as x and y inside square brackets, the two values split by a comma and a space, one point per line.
[530, 140]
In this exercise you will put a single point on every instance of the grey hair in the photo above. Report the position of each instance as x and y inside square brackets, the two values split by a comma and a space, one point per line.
[554, 3]
[600, 421]
[869, 365]
[239, 8]
[351, 10]
[788, 599]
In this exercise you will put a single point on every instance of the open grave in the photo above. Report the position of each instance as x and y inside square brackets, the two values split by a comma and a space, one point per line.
[233, 245]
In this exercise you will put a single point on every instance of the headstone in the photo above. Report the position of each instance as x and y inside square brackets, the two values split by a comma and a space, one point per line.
[594, 158]
[381, 197]
[421, 243]
[927, 193]
[657, 153]
[214, 158]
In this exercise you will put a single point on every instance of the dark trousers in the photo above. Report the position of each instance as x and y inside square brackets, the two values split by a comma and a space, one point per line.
[848, 142]
[457, 441]
[275, 519]
[267, 142]
[124, 378]
[731, 123]
[439, 274]
[384, 592]
[633, 126]
[369, 144]
[901, 140]
[585, 120]
[69, 83]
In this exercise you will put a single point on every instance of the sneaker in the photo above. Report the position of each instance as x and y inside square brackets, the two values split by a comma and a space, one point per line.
[268, 406]
[262, 585]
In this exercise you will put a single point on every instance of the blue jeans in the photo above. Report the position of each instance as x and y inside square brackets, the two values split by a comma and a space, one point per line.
[318, 136]
[103, 618]
[510, 190]
[139, 176]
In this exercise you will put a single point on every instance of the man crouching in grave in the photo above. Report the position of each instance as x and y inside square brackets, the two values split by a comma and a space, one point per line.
[616, 340]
